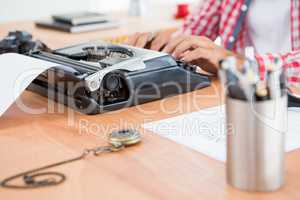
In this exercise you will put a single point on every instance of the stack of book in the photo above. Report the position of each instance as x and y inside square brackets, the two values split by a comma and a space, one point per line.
[79, 22]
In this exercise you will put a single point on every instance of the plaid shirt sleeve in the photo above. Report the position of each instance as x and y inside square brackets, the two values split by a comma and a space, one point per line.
[205, 21]
[291, 62]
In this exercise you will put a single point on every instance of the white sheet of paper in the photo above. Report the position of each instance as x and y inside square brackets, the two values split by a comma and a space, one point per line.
[204, 131]
[18, 72]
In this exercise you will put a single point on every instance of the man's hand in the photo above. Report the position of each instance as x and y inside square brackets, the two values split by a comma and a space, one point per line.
[200, 51]
[153, 42]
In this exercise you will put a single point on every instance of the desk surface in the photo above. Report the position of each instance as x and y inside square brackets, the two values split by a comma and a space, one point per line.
[155, 169]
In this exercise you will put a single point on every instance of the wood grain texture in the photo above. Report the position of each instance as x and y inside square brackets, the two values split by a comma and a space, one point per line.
[155, 169]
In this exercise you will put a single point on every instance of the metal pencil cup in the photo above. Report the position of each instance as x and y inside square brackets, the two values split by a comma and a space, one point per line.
[255, 144]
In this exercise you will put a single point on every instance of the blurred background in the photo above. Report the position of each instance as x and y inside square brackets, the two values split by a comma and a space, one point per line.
[12, 10]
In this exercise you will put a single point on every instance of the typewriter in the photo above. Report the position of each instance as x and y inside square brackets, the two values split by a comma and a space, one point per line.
[97, 77]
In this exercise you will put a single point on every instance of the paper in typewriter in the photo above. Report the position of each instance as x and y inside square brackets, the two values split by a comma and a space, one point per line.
[18, 71]
[204, 131]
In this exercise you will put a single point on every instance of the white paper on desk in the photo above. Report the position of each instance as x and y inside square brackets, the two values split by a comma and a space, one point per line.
[18, 71]
[204, 131]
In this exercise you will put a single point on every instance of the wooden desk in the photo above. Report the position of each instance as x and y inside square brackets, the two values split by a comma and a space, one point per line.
[156, 169]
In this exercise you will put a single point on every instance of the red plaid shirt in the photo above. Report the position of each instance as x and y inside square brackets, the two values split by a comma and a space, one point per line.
[219, 18]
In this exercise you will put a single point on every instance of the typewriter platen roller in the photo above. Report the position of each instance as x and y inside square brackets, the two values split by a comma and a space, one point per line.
[98, 77]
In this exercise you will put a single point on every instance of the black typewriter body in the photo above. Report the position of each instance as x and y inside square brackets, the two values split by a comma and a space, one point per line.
[97, 77]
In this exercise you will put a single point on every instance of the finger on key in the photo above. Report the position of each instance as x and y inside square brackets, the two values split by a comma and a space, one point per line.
[185, 46]
[159, 42]
[173, 44]
[142, 40]
[162, 39]
[132, 40]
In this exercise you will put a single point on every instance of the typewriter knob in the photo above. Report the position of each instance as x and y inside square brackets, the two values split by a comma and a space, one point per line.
[113, 82]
